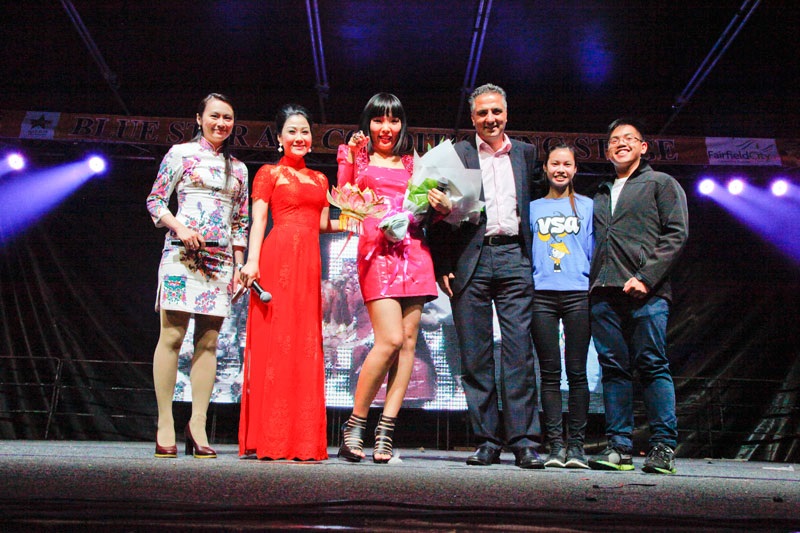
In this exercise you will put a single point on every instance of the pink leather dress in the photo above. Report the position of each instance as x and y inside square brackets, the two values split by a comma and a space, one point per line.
[386, 269]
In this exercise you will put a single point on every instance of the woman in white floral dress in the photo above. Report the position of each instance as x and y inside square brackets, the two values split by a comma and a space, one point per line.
[195, 280]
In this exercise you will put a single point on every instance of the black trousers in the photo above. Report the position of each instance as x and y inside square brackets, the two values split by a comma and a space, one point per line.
[572, 308]
[503, 277]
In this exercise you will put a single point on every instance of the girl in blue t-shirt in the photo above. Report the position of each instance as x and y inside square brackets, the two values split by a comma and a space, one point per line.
[562, 247]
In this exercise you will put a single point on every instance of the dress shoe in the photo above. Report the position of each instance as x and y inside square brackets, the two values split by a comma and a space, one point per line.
[166, 452]
[485, 455]
[199, 452]
[527, 457]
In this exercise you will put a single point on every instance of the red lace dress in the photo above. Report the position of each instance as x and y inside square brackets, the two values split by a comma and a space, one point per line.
[283, 393]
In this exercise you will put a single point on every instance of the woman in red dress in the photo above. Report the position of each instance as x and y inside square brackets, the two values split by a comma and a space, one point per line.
[396, 278]
[283, 394]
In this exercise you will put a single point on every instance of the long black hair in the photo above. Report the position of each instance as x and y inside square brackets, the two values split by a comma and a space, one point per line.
[385, 104]
[226, 144]
[571, 185]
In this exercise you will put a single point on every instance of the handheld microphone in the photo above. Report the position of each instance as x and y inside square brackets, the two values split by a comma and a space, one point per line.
[442, 184]
[263, 295]
[221, 243]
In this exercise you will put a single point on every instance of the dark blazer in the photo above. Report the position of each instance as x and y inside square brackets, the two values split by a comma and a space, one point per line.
[457, 250]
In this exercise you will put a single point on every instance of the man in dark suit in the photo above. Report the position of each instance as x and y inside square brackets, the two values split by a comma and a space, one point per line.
[477, 265]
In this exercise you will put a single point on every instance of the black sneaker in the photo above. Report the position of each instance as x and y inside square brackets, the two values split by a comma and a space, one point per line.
[575, 457]
[660, 460]
[612, 459]
[557, 457]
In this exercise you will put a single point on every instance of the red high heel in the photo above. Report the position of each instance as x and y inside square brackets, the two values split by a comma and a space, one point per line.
[199, 452]
[166, 452]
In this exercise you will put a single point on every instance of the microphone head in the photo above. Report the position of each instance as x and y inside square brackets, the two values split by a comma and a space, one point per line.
[265, 296]
[222, 242]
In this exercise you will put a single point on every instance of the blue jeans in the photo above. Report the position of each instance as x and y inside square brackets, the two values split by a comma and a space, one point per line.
[631, 335]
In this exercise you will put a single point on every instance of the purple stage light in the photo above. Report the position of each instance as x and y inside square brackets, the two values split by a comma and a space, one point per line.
[15, 161]
[706, 186]
[735, 186]
[779, 187]
[97, 164]
[27, 197]
[776, 221]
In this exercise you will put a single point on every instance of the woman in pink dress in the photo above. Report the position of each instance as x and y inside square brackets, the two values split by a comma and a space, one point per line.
[283, 394]
[396, 278]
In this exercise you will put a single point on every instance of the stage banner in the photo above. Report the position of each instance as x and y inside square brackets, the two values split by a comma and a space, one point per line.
[261, 136]
[742, 152]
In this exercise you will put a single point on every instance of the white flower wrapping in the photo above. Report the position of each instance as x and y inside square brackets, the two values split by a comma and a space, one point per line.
[442, 164]
[395, 227]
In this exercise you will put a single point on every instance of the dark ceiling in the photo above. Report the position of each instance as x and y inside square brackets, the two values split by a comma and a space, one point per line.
[568, 66]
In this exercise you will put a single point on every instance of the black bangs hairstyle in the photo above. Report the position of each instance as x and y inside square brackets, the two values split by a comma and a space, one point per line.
[571, 186]
[385, 104]
[226, 144]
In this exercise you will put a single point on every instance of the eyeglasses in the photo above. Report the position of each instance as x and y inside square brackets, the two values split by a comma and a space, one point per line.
[629, 138]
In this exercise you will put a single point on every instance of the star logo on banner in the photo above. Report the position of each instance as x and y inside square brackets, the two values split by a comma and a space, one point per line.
[40, 122]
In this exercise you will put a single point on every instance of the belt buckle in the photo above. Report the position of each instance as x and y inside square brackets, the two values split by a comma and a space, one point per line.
[494, 240]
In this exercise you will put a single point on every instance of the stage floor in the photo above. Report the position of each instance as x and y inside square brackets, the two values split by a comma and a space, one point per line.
[58, 486]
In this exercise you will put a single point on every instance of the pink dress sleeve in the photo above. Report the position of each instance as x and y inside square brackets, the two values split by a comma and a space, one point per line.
[346, 172]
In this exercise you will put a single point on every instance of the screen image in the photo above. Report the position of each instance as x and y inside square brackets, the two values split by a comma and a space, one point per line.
[347, 338]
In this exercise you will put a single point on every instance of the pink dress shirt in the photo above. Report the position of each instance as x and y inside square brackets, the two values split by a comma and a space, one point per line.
[499, 189]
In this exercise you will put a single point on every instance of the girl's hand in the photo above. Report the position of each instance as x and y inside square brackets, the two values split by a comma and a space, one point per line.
[248, 274]
[357, 141]
[191, 239]
[440, 201]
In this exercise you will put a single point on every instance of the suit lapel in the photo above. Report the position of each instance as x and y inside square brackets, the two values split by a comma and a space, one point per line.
[472, 161]
[518, 167]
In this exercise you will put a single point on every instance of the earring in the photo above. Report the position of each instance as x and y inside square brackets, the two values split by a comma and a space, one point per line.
[280, 147]
[309, 149]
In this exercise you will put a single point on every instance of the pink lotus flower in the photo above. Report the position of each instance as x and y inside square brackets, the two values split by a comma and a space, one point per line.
[356, 205]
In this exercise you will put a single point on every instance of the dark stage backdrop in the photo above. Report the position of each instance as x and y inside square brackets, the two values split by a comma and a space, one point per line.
[79, 329]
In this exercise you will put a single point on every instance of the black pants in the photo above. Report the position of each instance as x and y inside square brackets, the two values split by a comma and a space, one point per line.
[572, 308]
[503, 277]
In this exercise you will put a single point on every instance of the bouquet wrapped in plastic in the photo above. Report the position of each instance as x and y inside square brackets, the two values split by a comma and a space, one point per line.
[441, 166]
[356, 205]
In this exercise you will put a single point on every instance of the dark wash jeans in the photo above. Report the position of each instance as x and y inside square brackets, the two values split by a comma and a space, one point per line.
[631, 335]
[572, 307]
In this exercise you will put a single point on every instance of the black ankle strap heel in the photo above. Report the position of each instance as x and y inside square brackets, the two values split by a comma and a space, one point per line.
[383, 439]
[353, 439]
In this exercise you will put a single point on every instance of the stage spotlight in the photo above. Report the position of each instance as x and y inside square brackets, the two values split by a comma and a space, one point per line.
[706, 186]
[15, 161]
[97, 164]
[735, 186]
[779, 187]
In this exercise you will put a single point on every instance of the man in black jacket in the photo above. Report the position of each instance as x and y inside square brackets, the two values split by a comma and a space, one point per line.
[478, 265]
[641, 227]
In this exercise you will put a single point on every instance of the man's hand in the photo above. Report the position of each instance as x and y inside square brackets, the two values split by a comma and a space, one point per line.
[634, 287]
[444, 284]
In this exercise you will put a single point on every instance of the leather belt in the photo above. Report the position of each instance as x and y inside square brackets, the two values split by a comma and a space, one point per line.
[499, 240]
